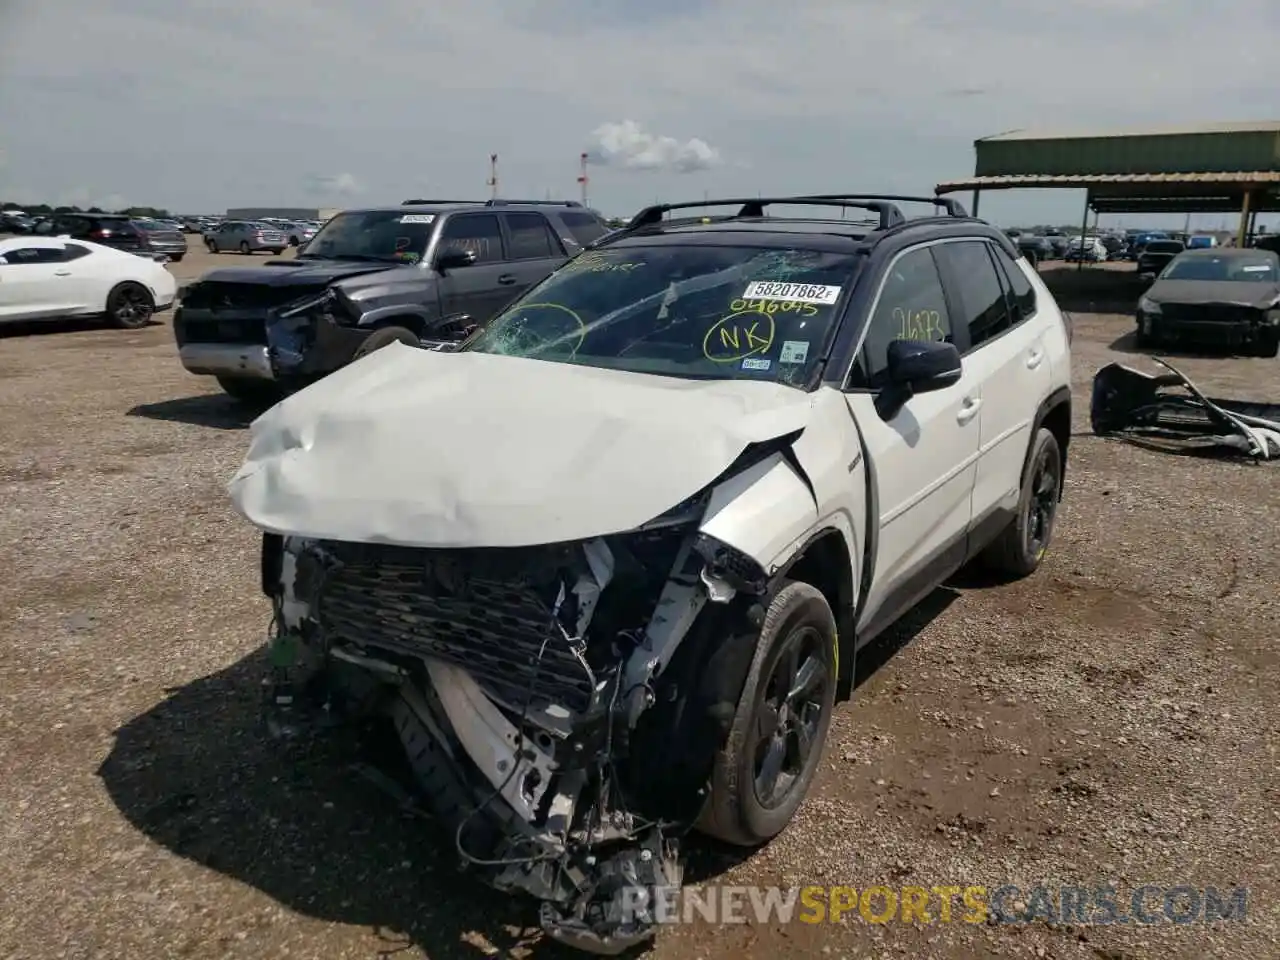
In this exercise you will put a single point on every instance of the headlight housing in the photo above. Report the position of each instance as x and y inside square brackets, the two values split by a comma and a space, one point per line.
[305, 304]
[1147, 305]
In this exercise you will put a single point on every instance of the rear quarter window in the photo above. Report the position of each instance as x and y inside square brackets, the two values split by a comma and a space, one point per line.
[583, 227]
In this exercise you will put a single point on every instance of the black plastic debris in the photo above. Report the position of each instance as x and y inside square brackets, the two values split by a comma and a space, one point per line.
[1170, 408]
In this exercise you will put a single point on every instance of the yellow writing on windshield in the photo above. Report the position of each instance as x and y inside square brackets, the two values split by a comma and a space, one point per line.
[918, 324]
[774, 306]
[738, 336]
[595, 263]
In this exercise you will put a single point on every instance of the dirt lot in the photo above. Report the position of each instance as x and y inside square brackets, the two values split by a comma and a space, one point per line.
[1112, 719]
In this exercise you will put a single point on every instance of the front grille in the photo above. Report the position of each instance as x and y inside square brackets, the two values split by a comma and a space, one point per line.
[488, 611]
[213, 329]
[1208, 313]
[222, 295]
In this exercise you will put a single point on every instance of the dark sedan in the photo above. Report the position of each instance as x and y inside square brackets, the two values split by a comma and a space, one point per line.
[1224, 297]
[1156, 255]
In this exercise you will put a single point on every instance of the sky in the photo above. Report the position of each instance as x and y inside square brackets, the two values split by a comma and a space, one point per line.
[197, 106]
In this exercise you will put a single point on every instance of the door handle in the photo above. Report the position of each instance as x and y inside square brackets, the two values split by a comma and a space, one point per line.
[1034, 359]
[968, 410]
[507, 279]
[62, 273]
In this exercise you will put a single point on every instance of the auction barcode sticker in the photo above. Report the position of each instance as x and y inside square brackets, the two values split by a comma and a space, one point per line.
[792, 292]
[418, 218]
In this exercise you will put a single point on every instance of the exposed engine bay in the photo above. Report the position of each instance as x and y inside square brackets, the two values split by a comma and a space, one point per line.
[1171, 410]
[560, 706]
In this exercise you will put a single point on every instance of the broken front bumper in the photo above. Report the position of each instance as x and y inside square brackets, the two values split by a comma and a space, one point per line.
[517, 679]
[1209, 324]
[1127, 402]
[228, 360]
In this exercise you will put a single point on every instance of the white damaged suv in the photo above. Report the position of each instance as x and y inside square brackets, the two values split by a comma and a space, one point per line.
[609, 562]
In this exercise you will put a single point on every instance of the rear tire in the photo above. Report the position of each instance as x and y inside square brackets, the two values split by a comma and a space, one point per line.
[385, 336]
[213, 247]
[130, 306]
[176, 257]
[781, 722]
[1021, 547]
[1269, 343]
[244, 247]
[254, 393]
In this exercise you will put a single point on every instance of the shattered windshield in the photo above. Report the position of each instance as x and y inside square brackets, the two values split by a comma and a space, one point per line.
[392, 236]
[1258, 268]
[701, 312]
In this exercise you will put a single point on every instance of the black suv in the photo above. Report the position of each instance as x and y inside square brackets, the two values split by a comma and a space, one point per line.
[423, 270]
[144, 237]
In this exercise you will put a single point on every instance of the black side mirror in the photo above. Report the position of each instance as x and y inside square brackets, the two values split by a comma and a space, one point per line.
[919, 366]
[452, 259]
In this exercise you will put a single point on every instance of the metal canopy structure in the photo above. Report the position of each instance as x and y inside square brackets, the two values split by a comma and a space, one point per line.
[1214, 168]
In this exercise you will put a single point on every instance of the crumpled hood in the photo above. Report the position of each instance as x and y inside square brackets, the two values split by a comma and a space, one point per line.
[429, 449]
[296, 273]
[1243, 293]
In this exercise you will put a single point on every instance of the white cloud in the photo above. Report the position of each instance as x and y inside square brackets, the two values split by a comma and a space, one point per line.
[335, 184]
[630, 146]
[819, 96]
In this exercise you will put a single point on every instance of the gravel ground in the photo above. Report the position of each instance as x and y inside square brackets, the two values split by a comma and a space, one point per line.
[1111, 719]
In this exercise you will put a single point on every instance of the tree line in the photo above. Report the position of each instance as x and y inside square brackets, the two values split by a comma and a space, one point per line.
[44, 209]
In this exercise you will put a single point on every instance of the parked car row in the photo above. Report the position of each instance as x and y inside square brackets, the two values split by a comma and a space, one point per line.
[150, 237]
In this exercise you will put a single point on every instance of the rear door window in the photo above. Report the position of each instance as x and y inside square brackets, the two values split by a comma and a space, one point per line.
[531, 238]
[981, 296]
[1021, 292]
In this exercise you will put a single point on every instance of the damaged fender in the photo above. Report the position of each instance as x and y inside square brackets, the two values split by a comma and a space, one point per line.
[769, 511]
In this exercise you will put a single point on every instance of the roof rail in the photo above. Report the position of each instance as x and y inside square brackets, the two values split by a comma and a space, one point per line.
[416, 203]
[954, 208]
[889, 214]
[532, 203]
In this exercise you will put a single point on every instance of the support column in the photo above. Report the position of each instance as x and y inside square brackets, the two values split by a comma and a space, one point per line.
[1244, 218]
[1084, 227]
[977, 195]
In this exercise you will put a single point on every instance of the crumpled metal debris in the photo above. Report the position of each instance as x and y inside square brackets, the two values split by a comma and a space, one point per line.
[1129, 402]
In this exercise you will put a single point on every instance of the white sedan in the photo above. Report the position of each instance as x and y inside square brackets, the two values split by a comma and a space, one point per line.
[45, 279]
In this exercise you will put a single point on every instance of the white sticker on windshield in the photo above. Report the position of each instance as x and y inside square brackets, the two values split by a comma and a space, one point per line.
[756, 363]
[792, 292]
[1256, 268]
[418, 218]
[794, 351]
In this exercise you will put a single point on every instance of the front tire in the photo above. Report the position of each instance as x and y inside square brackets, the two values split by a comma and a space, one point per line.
[1021, 547]
[763, 772]
[244, 247]
[254, 393]
[384, 336]
[130, 306]
[176, 257]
